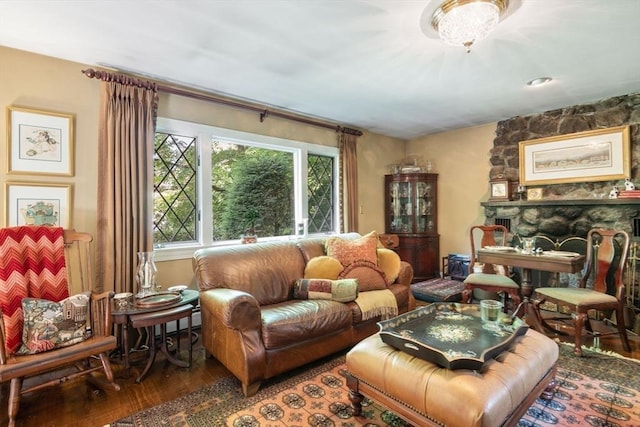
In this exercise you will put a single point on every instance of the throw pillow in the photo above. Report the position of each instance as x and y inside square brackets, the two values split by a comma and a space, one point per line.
[322, 267]
[336, 290]
[389, 262]
[350, 251]
[369, 276]
[49, 324]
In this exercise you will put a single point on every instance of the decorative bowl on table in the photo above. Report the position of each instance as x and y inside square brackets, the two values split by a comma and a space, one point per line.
[178, 288]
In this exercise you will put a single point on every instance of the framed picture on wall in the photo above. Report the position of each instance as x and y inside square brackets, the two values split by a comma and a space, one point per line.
[596, 155]
[39, 142]
[32, 203]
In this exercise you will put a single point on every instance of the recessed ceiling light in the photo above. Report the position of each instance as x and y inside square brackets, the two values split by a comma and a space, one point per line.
[539, 81]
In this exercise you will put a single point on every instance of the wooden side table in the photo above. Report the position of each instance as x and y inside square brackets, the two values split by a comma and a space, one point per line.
[161, 318]
[122, 319]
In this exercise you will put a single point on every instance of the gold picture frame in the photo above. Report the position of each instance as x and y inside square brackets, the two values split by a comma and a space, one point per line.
[534, 193]
[596, 155]
[35, 203]
[39, 142]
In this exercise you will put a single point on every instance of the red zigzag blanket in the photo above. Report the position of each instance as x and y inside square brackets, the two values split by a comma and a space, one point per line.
[32, 264]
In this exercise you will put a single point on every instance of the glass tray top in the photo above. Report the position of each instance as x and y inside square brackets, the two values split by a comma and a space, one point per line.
[450, 335]
[159, 299]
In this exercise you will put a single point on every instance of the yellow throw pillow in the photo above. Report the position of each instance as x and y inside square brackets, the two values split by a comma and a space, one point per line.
[323, 267]
[389, 262]
[350, 251]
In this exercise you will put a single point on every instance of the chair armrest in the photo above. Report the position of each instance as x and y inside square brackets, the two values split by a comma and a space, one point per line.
[234, 309]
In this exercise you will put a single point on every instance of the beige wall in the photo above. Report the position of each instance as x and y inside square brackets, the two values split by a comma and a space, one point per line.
[41, 82]
[461, 160]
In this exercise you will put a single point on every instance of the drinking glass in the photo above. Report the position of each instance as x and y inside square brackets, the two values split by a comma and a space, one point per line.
[490, 311]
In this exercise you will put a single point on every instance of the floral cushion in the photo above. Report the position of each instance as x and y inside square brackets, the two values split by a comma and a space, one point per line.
[350, 251]
[49, 324]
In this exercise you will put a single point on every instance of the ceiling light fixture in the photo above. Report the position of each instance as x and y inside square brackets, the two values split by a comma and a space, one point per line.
[464, 22]
[539, 81]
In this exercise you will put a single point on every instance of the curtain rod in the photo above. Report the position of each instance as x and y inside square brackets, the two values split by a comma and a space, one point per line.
[264, 112]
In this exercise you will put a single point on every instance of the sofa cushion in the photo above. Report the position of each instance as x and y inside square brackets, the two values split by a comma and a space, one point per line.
[389, 262]
[297, 321]
[336, 290]
[323, 267]
[370, 277]
[350, 251]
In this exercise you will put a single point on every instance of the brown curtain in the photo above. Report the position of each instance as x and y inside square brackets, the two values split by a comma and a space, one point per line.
[349, 172]
[125, 182]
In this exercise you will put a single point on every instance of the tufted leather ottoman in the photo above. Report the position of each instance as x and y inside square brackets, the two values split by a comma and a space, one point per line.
[428, 395]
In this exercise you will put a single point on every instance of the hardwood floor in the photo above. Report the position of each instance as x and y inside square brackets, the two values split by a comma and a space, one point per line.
[77, 403]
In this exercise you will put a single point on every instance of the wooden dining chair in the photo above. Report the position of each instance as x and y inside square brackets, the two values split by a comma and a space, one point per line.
[493, 278]
[601, 287]
[51, 320]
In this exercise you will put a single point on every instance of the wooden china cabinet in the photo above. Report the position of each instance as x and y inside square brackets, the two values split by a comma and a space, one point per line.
[411, 212]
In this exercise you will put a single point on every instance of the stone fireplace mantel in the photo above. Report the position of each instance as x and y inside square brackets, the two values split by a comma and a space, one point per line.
[559, 219]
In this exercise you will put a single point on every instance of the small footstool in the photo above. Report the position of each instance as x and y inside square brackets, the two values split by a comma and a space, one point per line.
[427, 395]
[437, 290]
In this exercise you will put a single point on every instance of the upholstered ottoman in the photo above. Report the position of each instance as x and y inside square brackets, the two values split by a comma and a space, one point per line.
[427, 395]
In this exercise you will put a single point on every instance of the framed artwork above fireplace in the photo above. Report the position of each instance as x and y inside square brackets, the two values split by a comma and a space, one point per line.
[596, 155]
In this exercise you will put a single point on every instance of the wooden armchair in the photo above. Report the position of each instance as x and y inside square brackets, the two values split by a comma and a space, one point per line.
[493, 278]
[55, 363]
[602, 287]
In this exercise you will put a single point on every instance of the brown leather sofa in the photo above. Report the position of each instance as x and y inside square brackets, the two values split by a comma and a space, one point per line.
[252, 324]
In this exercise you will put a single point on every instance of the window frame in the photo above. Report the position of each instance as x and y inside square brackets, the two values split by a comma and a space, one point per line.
[204, 134]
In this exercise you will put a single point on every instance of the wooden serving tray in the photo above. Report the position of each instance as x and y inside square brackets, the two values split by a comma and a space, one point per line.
[450, 335]
[158, 300]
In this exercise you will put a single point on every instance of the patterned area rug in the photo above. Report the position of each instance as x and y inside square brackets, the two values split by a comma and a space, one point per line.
[596, 390]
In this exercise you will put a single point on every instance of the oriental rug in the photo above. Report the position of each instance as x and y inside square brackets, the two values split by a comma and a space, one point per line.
[598, 389]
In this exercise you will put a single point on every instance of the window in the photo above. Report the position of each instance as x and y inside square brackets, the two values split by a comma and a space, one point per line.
[212, 185]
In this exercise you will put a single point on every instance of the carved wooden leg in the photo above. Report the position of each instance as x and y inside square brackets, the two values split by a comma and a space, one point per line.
[14, 400]
[549, 391]
[354, 395]
[579, 324]
[622, 330]
[356, 402]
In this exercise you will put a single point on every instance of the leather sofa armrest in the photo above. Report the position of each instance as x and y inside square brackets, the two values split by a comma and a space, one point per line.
[234, 309]
[406, 274]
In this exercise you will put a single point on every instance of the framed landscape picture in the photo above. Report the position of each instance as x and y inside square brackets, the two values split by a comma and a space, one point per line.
[30, 203]
[596, 155]
[39, 142]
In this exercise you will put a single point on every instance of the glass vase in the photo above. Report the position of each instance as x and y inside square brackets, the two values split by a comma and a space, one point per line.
[146, 275]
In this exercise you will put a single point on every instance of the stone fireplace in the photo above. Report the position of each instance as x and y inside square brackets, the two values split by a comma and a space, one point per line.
[571, 209]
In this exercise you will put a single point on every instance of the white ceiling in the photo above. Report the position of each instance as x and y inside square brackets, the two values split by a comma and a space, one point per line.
[372, 64]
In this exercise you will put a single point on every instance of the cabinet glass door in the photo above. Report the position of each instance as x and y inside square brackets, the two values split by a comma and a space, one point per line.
[402, 207]
[425, 210]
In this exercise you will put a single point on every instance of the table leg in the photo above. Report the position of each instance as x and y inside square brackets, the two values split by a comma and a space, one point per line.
[530, 312]
[125, 347]
[164, 349]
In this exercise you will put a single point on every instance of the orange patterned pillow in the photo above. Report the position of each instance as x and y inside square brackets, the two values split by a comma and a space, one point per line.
[350, 251]
[370, 277]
